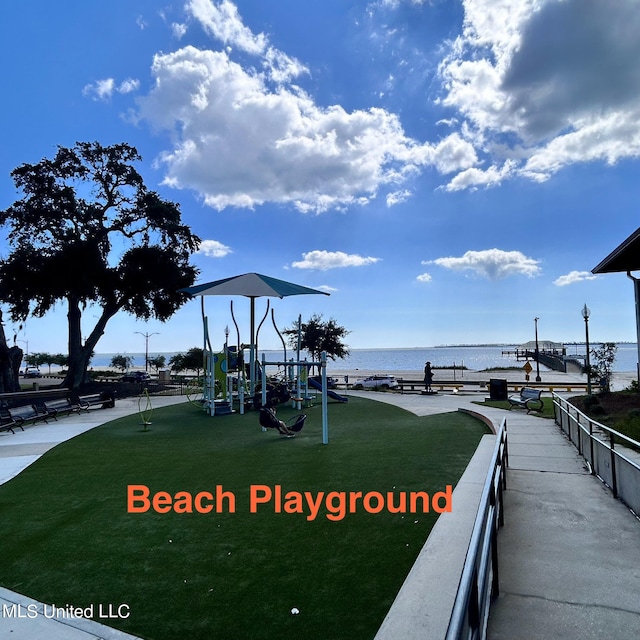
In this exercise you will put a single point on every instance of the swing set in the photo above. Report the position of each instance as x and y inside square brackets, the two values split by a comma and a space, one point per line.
[225, 377]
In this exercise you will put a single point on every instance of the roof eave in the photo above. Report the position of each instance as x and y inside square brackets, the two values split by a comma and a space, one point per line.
[624, 258]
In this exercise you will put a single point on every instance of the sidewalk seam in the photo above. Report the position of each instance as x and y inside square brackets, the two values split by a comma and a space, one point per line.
[568, 602]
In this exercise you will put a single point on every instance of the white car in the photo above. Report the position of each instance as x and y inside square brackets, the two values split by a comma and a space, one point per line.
[376, 382]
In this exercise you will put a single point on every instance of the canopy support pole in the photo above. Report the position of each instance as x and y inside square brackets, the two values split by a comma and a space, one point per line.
[636, 291]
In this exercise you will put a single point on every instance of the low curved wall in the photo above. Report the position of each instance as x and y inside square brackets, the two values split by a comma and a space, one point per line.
[422, 609]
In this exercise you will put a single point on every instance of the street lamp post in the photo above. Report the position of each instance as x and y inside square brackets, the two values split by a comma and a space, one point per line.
[585, 314]
[538, 378]
[146, 347]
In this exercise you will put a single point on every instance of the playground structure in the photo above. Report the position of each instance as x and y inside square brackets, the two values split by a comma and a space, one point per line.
[227, 377]
[252, 286]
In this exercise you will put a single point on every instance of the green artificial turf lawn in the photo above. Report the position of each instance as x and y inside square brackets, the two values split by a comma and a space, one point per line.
[69, 539]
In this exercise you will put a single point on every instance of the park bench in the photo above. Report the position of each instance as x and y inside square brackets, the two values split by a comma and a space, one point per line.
[30, 413]
[63, 406]
[105, 399]
[7, 422]
[528, 399]
[45, 409]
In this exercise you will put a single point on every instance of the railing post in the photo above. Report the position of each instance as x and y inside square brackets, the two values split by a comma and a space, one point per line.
[614, 481]
[497, 500]
[592, 462]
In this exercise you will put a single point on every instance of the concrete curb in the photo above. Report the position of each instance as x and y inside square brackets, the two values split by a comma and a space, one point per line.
[422, 609]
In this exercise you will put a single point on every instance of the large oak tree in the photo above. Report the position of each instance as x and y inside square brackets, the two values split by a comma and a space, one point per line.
[88, 231]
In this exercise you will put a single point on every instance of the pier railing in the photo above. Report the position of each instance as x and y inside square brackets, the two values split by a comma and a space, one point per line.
[612, 456]
[479, 582]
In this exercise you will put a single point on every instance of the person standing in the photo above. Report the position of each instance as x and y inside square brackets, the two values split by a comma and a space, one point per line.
[428, 377]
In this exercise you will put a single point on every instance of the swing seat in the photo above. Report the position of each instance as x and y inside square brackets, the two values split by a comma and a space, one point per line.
[299, 423]
[268, 419]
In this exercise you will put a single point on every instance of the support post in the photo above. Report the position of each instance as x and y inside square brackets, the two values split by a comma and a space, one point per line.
[636, 291]
[252, 354]
[325, 419]
[299, 383]
[264, 382]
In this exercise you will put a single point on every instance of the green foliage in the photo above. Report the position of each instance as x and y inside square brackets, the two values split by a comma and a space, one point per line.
[630, 425]
[158, 362]
[87, 231]
[318, 335]
[192, 360]
[589, 402]
[38, 359]
[602, 361]
[121, 362]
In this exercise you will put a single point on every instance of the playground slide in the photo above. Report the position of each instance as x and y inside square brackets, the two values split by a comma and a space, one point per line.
[330, 394]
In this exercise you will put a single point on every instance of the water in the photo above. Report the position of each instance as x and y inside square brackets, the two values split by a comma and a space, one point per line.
[474, 357]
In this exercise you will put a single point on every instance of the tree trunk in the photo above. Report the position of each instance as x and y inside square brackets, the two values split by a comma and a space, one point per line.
[80, 354]
[10, 360]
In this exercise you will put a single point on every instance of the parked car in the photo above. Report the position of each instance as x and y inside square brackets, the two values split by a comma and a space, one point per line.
[376, 382]
[32, 373]
[135, 376]
[332, 383]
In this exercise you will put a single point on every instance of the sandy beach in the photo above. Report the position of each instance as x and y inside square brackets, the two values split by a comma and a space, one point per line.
[621, 379]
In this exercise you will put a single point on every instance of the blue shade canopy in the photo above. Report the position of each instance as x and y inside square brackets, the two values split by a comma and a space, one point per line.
[251, 285]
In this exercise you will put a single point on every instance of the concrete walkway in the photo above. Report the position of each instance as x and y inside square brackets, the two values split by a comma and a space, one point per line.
[569, 552]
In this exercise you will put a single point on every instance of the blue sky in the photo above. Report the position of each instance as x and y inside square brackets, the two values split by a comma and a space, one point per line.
[447, 170]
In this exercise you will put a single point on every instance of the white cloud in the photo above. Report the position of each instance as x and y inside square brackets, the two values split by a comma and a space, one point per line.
[545, 84]
[492, 263]
[397, 197]
[178, 29]
[214, 249]
[242, 144]
[128, 85]
[395, 3]
[474, 177]
[223, 21]
[424, 277]
[324, 260]
[327, 288]
[453, 154]
[573, 277]
[104, 89]
[100, 89]
[246, 135]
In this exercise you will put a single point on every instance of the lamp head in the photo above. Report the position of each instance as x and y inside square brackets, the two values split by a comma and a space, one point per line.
[586, 312]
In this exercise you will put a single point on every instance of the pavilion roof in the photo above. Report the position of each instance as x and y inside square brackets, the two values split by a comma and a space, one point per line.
[624, 258]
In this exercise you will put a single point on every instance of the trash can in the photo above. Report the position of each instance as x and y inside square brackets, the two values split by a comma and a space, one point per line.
[497, 389]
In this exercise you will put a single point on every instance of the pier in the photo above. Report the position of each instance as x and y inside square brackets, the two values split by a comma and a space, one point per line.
[550, 354]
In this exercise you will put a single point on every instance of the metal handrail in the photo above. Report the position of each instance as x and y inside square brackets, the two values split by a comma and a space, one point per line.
[479, 582]
[580, 430]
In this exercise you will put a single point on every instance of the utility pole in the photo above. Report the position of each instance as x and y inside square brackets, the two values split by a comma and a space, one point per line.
[146, 347]
[538, 378]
